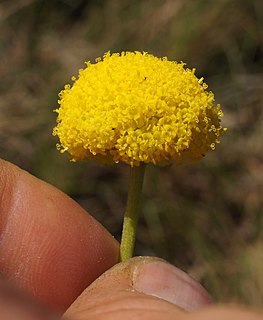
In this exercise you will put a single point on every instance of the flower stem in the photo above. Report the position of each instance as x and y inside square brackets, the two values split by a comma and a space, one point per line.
[132, 211]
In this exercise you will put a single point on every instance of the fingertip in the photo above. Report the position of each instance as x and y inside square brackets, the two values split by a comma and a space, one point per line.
[142, 285]
[49, 245]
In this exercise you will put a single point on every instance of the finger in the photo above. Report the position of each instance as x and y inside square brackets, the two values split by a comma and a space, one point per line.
[141, 288]
[17, 305]
[226, 313]
[49, 245]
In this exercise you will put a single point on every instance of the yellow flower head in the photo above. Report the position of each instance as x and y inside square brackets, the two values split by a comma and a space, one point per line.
[134, 107]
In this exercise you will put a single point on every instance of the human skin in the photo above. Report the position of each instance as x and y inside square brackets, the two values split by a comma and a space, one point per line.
[51, 250]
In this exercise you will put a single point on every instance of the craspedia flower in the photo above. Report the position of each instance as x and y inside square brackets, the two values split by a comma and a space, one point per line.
[136, 108]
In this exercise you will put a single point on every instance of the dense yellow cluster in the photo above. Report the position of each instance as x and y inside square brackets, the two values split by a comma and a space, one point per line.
[134, 107]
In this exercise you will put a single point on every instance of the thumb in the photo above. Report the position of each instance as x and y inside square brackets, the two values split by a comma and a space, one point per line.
[141, 287]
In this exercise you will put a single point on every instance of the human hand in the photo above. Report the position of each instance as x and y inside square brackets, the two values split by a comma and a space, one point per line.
[52, 249]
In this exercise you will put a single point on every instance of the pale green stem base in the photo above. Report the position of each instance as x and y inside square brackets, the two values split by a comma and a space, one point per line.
[132, 212]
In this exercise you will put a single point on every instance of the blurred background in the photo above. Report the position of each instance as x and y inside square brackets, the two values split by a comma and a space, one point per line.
[206, 218]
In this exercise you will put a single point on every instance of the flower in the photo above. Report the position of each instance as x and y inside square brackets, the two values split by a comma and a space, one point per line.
[135, 107]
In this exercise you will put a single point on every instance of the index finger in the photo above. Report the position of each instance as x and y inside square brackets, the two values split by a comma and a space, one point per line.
[49, 245]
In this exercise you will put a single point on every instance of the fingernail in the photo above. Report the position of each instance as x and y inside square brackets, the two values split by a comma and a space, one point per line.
[162, 280]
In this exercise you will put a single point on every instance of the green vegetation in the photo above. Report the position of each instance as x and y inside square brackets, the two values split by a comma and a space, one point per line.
[206, 218]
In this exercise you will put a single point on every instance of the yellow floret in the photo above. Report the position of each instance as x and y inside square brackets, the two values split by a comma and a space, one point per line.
[134, 107]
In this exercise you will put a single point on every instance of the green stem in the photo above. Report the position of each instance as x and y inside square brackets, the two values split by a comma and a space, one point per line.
[132, 211]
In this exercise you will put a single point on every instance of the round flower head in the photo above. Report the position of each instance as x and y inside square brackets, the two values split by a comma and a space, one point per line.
[134, 107]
